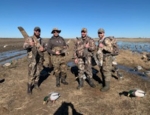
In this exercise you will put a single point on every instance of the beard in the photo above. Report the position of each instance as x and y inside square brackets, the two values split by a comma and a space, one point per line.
[37, 35]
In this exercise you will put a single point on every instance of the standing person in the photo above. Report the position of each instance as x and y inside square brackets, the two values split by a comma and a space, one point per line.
[106, 48]
[35, 50]
[56, 46]
[82, 55]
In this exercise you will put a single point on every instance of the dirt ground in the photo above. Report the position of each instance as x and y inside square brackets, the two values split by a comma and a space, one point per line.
[87, 101]
[11, 44]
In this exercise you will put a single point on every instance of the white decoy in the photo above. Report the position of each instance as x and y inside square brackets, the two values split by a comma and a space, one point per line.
[51, 97]
[138, 68]
[136, 93]
[147, 73]
[5, 46]
[7, 64]
[114, 63]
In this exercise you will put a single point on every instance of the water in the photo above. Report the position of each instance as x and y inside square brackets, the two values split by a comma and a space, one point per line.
[130, 70]
[121, 67]
[71, 64]
[11, 55]
[134, 46]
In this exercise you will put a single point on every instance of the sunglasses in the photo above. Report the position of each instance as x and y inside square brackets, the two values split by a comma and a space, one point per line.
[83, 32]
[55, 32]
[100, 33]
[38, 30]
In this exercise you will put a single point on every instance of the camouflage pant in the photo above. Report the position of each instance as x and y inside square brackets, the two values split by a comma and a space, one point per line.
[107, 67]
[35, 66]
[59, 64]
[84, 65]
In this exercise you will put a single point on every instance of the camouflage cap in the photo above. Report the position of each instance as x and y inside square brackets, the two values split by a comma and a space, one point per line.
[101, 30]
[37, 29]
[55, 29]
[84, 30]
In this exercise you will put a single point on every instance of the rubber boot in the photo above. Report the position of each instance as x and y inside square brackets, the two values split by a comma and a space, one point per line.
[119, 75]
[36, 84]
[100, 85]
[29, 88]
[80, 83]
[106, 87]
[63, 80]
[91, 82]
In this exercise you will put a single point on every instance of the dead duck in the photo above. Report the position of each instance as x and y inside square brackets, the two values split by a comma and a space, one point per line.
[51, 97]
[136, 93]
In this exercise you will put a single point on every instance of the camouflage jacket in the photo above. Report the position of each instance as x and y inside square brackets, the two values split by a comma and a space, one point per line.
[56, 44]
[80, 50]
[34, 50]
[107, 46]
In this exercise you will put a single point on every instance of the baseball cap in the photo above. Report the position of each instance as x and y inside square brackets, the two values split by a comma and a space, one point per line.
[101, 30]
[37, 29]
[84, 30]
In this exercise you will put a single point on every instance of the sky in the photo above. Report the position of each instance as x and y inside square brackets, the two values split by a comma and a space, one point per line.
[119, 18]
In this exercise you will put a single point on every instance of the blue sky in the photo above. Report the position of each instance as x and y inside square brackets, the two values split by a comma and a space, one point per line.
[119, 18]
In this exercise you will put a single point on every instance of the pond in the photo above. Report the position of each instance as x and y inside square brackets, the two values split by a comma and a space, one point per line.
[11, 55]
[134, 46]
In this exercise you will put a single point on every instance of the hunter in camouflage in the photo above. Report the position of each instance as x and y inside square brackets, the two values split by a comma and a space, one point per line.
[84, 48]
[106, 48]
[35, 54]
[56, 48]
